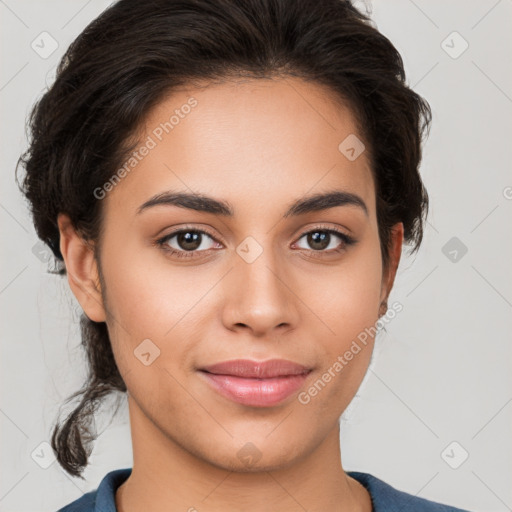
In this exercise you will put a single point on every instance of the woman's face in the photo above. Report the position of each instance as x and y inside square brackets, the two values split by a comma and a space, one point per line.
[244, 280]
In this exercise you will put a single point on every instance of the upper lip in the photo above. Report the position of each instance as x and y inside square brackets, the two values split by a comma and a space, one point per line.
[257, 369]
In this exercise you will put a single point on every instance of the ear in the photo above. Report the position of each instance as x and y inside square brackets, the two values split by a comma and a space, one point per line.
[395, 252]
[81, 270]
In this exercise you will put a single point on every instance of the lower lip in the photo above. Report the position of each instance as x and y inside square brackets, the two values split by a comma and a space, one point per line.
[256, 392]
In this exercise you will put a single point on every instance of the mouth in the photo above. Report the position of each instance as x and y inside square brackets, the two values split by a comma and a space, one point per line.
[256, 383]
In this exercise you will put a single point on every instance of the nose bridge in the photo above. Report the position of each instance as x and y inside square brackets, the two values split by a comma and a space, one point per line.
[259, 296]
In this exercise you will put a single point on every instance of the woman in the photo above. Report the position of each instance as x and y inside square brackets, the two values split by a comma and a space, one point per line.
[228, 186]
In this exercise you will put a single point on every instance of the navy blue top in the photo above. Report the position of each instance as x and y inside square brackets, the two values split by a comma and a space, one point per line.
[384, 497]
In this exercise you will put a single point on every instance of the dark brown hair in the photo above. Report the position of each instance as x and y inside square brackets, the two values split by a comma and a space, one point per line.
[135, 53]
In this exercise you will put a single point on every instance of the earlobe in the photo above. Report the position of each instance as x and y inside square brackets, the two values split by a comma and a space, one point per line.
[395, 252]
[81, 269]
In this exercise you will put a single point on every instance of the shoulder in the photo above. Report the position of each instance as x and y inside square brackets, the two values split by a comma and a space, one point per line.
[85, 503]
[386, 498]
[101, 499]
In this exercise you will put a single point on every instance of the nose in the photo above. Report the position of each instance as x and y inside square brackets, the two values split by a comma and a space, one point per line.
[260, 296]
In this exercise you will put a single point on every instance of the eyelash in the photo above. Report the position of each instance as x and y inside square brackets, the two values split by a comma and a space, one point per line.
[346, 241]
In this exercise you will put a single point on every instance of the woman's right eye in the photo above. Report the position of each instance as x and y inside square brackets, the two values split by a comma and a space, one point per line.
[185, 243]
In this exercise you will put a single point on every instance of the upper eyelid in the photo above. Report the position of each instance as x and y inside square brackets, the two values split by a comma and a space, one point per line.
[185, 230]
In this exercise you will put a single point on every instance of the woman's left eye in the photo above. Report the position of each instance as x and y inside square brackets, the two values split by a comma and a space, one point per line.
[186, 243]
[321, 239]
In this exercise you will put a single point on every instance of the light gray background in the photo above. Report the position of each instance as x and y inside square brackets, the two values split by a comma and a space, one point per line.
[441, 372]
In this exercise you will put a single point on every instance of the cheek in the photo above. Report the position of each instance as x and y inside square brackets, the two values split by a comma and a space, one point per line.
[156, 301]
[348, 304]
[347, 298]
[144, 293]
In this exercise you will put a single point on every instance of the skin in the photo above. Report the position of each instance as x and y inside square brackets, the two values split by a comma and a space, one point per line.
[258, 145]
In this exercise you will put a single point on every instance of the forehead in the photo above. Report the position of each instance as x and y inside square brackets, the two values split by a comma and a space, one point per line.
[275, 139]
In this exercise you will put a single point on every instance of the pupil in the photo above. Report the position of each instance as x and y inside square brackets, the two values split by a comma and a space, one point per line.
[189, 240]
[318, 240]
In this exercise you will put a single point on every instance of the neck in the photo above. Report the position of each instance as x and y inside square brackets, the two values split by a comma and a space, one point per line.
[166, 477]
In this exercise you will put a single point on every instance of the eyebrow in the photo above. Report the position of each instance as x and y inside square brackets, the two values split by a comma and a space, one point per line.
[203, 203]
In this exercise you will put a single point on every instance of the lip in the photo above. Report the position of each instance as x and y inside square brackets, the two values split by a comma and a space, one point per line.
[256, 383]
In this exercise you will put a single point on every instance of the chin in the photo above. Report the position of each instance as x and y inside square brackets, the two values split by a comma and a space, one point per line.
[250, 459]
